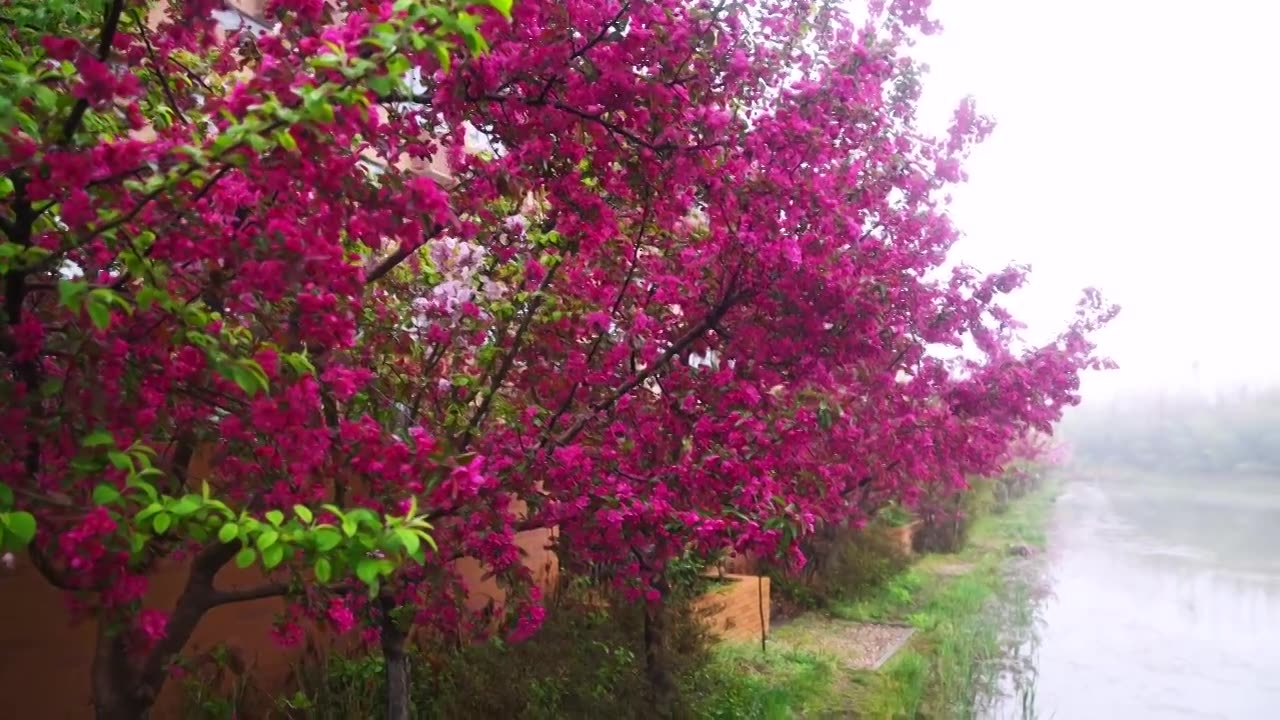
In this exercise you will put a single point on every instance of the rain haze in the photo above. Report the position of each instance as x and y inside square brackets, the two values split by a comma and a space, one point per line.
[1135, 151]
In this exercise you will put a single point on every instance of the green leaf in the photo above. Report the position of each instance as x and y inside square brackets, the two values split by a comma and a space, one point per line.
[245, 558]
[146, 513]
[46, 98]
[363, 516]
[442, 55]
[381, 85]
[150, 295]
[105, 494]
[186, 505]
[285, 138]
[303, 513]
[147, 488]
[409, 539]
[161, 522]
[299, 363]
[51, 387]
[398, 65]
[247, 381]
[99, 312]
[228, 532]
[98, 438]
[273, 556]
[120, 460]
[327, 539]
[6, 496]
[502, 6]
[275, 517]
[267, 539]
[367, 571]
[22, 525]
[321, 112]
[70, 292]
[349, 527]
[324, 570]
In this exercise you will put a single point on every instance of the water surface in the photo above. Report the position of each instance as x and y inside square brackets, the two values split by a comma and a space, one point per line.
[1164, 603]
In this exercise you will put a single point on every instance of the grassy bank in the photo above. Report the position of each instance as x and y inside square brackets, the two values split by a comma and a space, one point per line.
[954, 653]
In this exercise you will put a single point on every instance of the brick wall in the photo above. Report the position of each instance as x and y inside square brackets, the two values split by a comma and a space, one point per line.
[739, 609]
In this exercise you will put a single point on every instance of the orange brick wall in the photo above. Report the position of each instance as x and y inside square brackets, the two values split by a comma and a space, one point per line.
[734, 611]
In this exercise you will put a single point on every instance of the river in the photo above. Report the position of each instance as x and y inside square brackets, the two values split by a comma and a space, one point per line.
[1163, 602]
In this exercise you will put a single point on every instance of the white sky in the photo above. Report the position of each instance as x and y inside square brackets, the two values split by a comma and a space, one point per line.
[1136, 150]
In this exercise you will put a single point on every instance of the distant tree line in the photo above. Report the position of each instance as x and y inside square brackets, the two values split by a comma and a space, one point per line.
[1229, 432]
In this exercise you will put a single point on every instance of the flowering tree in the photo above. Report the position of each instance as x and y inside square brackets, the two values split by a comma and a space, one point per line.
[191, 242]
[677, 292]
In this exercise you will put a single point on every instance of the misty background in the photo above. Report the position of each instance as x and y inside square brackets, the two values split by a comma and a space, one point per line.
[1135, 151]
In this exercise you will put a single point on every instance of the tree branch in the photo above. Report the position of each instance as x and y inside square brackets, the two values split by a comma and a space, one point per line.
[613, 311]
[51, 574]
[680, 345]
[155, 63]
[259, 592]
[110, 23]
[401, 253]
[508, 360]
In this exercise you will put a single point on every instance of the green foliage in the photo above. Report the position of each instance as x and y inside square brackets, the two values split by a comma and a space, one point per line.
[687, 574]
[218, 685]
[17, 527]
[948, 519]
[895, 515]
[586, 661]
[357, 541]
[889, 601]
[843, 564]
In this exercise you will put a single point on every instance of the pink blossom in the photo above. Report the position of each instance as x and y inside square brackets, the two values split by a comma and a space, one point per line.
[340, 615]
[58, 48]
[152, 624]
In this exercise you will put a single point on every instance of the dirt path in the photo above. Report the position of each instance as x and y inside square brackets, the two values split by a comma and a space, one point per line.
[855, 645]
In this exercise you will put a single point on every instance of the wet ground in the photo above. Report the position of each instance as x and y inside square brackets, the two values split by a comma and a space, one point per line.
[1163, 602]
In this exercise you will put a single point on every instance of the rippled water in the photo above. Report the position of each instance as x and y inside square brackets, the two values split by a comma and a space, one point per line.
[1165, 603]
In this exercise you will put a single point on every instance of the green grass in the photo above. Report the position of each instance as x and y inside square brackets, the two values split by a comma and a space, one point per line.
[955, 652]
[741, 683]
[890, 602]
[1026, 522]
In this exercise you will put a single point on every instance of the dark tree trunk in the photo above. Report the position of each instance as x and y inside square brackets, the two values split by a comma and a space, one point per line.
[114, 693]
[126, 690]
[396, 662]
[664, 694]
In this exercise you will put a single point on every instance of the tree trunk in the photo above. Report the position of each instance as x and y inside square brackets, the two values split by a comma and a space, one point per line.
[114, 694]
[664, 694]
[124, 690]
[396, 662]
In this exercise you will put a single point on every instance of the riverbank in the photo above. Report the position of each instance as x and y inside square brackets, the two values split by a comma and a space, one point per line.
[928, 643]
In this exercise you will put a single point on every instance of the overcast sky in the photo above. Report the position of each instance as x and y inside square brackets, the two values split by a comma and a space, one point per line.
[1136, 150]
